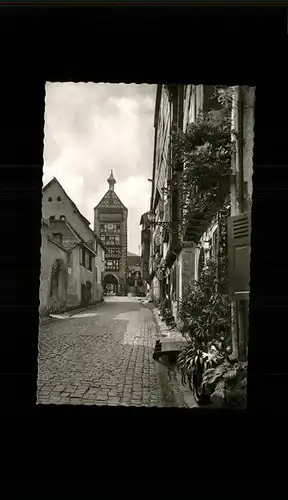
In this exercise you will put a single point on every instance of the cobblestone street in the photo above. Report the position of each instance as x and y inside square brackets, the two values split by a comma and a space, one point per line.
[104, 357]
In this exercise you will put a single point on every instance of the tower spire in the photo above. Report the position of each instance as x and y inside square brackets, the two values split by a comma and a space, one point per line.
[111, 181]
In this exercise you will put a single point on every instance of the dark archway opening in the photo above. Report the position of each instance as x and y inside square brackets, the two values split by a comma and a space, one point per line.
[111, 286]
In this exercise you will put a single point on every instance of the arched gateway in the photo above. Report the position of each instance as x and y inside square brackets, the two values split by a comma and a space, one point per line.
[111, 284]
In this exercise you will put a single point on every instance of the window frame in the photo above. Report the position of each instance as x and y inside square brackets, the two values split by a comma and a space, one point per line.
[90, 261]
[112, 267]
[82, 257]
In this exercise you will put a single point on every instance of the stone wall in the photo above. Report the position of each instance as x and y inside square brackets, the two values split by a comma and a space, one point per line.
[50, 252]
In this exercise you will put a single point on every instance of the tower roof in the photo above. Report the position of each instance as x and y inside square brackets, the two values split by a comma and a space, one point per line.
[110, 199]
[111, 181]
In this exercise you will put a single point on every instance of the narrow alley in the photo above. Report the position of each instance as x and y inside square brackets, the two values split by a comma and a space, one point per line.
[103, 356]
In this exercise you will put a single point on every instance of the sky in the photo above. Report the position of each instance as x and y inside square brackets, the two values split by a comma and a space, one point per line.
[91, 128]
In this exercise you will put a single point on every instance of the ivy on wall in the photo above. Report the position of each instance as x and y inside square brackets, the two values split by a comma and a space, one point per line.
[205, 150]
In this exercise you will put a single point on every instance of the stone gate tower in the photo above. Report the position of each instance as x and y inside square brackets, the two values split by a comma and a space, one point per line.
[110, 222]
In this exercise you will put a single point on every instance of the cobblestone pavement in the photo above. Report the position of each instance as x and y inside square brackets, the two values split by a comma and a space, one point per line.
[104, 357]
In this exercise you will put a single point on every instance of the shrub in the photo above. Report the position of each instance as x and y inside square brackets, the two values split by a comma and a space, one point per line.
[226, 384]
[193, 362]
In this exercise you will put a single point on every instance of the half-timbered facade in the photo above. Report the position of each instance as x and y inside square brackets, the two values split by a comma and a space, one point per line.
[110, 222]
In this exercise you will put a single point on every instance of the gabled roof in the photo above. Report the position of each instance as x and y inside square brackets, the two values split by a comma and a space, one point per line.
[66, 223]
[57, 244]
[144, 218]
[54, 180]
[110, 200]
[79, 239]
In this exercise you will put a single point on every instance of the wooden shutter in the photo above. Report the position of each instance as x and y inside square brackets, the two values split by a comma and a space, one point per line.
[239, 230]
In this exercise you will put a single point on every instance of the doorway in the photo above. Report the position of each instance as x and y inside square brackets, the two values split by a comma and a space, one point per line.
[111, 285]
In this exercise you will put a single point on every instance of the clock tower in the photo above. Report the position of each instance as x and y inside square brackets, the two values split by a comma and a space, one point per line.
[110, 222]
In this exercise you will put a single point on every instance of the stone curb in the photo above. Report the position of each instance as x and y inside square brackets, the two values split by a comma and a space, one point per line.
[175, 334]
[166, 332]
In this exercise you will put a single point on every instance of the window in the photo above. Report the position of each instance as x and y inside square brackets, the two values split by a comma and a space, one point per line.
[112, 240]
[113, 251]
[112, 264]
[49, 199]
[52, 217]
[58, 198]
[90, 262]
[96, 274]
[110, 227]
[62, 217]
[58, 237]
[83, 257]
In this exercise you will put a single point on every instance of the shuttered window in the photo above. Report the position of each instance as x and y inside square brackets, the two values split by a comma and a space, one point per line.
[239, 230]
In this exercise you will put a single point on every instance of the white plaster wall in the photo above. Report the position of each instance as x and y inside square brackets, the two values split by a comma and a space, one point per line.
[50, 252]
[74, 285]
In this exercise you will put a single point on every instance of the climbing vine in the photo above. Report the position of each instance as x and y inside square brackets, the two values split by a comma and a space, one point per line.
[204, 150]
